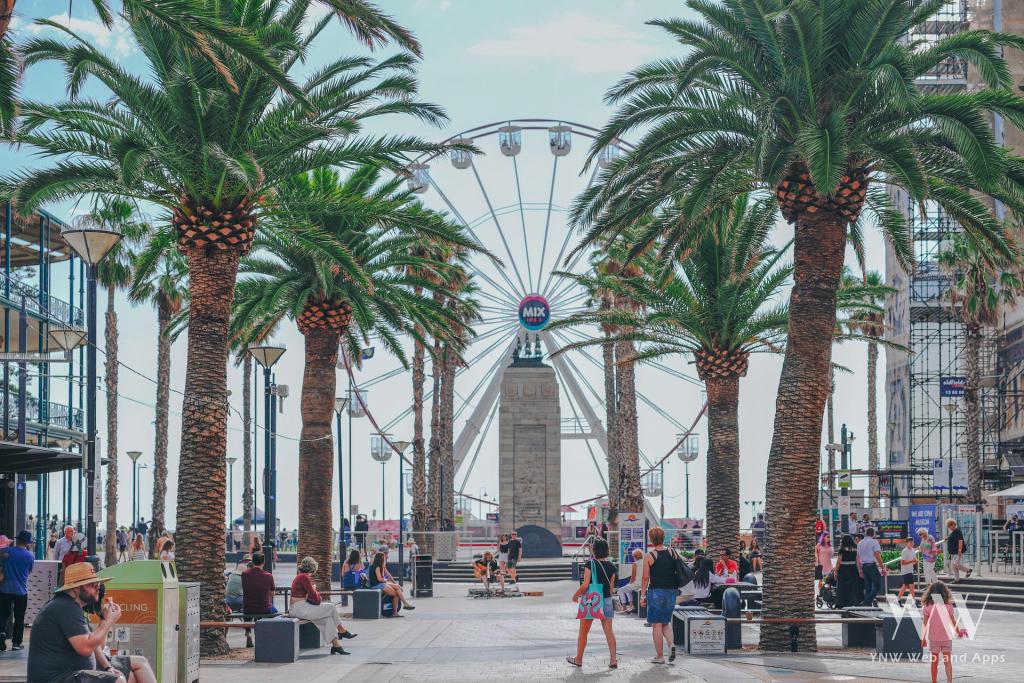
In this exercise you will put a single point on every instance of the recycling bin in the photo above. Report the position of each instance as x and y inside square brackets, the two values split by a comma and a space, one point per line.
[148, 593]
[188, 633]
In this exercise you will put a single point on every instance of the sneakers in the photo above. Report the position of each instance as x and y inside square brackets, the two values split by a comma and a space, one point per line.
[658, 660]
[672, 654]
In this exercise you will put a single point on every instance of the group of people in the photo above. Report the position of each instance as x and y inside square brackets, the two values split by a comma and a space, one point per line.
[490, 568]
[857, 570]
[654, 575]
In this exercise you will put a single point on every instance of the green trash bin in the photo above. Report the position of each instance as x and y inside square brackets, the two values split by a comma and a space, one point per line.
[148, 593]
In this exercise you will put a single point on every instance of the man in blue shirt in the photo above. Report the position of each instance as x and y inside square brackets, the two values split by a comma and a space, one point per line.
[17, 564]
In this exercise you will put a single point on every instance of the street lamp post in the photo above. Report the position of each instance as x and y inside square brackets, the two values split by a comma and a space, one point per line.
[135, 455]
[91, 241]
[400, 447]
[231, 491]
[846, 440]
[266, 356]
[340, 404]
[138, 492]
[950, 409]
[687, 451]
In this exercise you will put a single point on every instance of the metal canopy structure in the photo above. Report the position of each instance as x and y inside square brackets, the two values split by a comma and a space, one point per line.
[32, 460]
[520, 216]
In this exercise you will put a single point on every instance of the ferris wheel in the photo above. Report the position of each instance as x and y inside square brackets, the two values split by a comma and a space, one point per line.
[514, 199]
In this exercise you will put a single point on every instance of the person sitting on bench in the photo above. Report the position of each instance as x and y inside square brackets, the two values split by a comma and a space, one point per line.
[487, 570]
[258, 588]
[307, 603]
[381, 579]
[625, 592]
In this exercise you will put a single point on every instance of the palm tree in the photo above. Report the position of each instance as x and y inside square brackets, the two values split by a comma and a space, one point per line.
[161, 277]
[208, 145]
[872, 324]
[983, 281]
[715, 307]
[114, 273]
[818, 103]
[339, 287]
[195, 22]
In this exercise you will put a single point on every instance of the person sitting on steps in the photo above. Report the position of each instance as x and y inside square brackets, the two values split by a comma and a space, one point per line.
[487, 570]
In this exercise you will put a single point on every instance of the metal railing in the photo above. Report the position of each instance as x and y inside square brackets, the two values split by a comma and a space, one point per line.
[47, 306]
[46, 412]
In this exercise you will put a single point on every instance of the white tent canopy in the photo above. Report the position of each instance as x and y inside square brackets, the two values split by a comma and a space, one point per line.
[1012, 492]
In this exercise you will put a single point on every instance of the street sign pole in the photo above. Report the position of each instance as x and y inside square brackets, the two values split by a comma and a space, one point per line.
[844, 491]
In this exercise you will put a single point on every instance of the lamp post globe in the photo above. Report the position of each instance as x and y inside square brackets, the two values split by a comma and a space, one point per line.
[91, 240]
[266, 356]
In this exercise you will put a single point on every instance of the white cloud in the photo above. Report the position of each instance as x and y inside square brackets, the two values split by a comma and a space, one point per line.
[117, 39]
[583, 43]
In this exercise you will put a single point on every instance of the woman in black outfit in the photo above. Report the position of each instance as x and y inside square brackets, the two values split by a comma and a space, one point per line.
[849, 589]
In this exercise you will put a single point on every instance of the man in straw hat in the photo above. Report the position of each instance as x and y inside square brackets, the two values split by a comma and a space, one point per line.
[63, 649]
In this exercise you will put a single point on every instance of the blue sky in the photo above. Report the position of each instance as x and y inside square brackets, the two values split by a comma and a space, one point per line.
[484, 61]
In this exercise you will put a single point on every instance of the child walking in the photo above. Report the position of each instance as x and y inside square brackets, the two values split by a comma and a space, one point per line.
[939, 628]
[908, 563]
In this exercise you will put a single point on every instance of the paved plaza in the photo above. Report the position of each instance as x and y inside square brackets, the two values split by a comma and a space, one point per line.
[454, 638]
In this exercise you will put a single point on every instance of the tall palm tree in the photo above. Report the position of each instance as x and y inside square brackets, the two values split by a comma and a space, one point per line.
[208, 145]
[817, 102]
[335, 298]
[161, 280]
[114, 273]
[715, 307]
[983, 282]
[872, 324]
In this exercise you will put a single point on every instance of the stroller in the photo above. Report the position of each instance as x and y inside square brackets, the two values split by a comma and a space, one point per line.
[827, 594]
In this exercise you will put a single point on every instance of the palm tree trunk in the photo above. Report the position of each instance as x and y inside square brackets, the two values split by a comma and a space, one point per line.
[873, 423]
[830, 423]
[419, 453]
[434, 455]
[247, 492]
[110, 369]
[631, 496]
[163, 396]
[448, 437]
[202, 476]
[611, 429]
[6, 13]
[316, 451]
[972, 354]
[723, 475]
[793, 461]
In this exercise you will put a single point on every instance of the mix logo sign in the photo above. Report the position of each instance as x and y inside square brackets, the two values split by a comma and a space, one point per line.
[534, 313]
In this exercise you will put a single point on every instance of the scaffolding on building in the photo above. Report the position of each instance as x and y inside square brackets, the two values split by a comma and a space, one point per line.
[930, 423]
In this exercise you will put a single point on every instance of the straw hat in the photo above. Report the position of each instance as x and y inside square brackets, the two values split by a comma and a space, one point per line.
[80, 574]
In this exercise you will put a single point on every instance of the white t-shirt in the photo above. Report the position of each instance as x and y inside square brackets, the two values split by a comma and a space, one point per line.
[907, 555]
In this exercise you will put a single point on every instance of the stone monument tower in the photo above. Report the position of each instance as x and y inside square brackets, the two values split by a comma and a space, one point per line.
[530, 453]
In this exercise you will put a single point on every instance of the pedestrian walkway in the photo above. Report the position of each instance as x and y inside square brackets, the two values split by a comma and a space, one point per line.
[453, 638]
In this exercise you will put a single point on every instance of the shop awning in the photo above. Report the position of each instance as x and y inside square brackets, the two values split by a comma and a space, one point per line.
[1012, 492]
[17, 458]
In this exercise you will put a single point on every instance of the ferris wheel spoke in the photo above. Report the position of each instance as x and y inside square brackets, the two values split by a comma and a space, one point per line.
[510, 292]
[562, 366]
[501, 233]
[547, 219]
[472, 427]
[565, 243]
[479, 445]
[580, 298]
[466, 401]
[586, 442]
[522, 220]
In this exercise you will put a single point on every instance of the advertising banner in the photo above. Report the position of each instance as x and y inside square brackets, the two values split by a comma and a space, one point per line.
[922, 516]
[632, 535]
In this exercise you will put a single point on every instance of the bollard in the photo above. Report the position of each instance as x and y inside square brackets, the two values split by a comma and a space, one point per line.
[794, 638]
[731, 610]
[750, 578]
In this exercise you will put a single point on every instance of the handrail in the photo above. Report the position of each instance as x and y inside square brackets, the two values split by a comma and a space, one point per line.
[45, 305]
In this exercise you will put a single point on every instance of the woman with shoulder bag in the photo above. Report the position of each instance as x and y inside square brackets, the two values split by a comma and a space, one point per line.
[600, 571]
[306, 603]
[658, 591]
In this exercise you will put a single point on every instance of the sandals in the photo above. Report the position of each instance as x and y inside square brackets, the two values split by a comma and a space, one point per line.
[572, 660]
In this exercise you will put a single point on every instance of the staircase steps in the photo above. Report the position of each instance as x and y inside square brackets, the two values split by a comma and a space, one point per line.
[1005, 595]
[462, 572]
